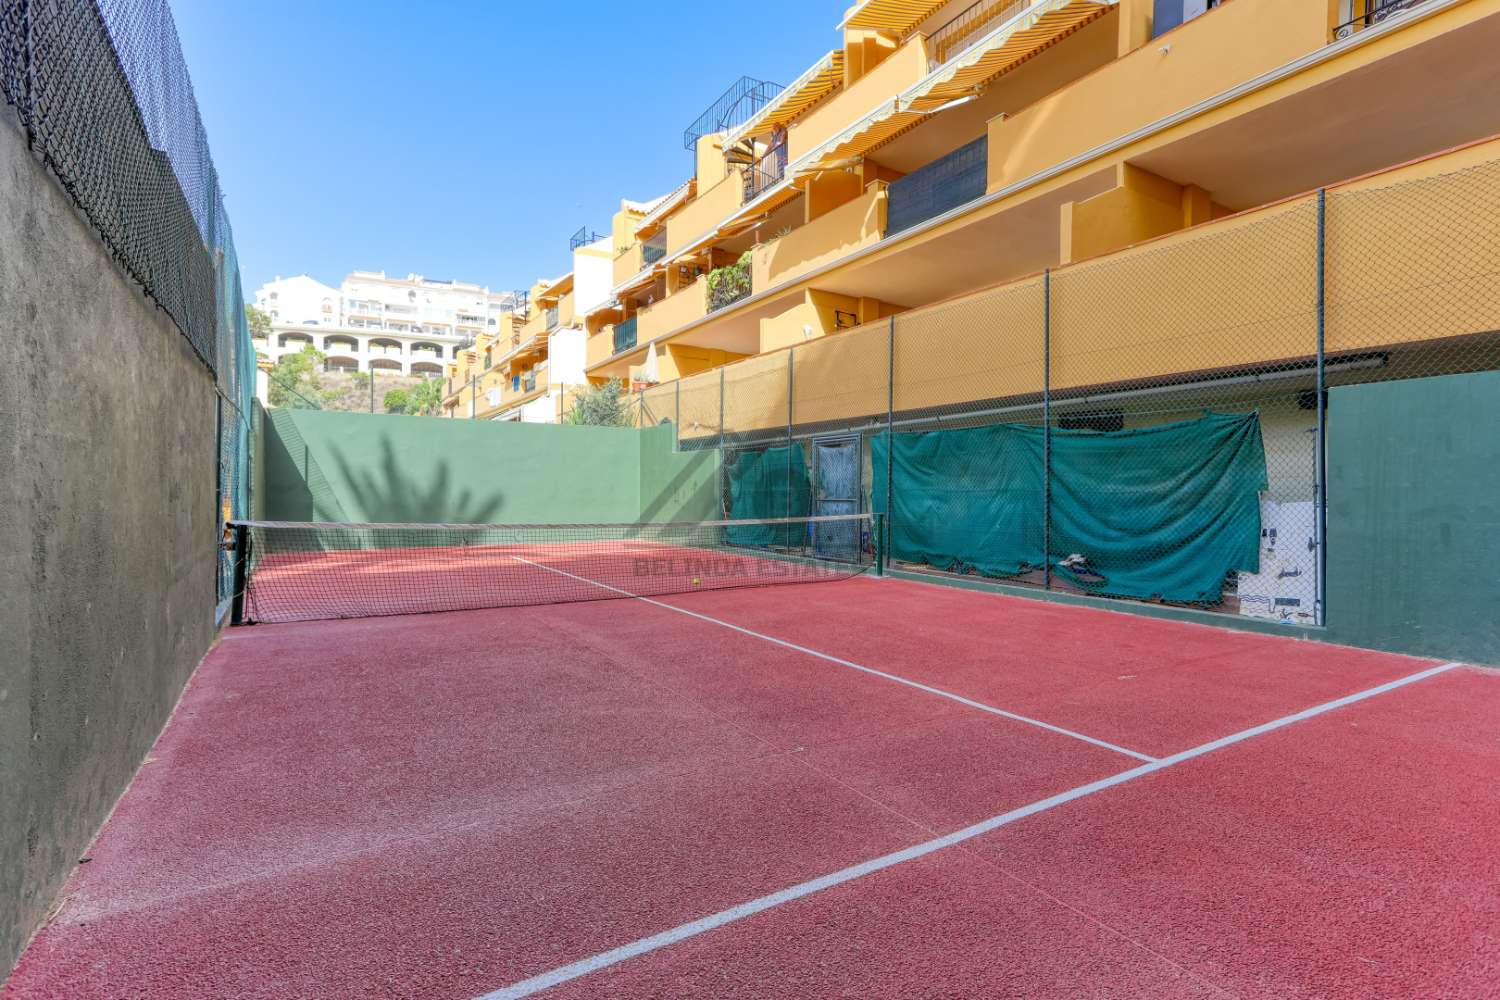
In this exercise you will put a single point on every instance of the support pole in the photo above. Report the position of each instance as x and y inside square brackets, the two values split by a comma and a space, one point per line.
[677, 416]
[724, 512]
[890, 439]
[1047, 429]
[1320, 468]
[241, 559]
[372, 388]
[790, 357]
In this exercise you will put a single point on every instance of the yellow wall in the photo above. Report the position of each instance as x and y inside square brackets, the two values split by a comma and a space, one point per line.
[698, 217]
[628, 264]
[1140, 207]
[1209, 54]
[855, 224]
[709, 160]
[904, 67]
[673, 311]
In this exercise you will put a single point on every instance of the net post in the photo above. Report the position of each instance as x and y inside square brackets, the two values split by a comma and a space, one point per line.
[1320, 466]
[241, 559]
[1047, 429]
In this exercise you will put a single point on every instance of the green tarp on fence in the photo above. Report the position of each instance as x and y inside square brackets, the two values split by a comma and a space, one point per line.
[1156, 512]
[766, 484]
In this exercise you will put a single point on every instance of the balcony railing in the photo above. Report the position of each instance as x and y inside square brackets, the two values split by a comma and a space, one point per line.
[528, 384]
[1375, 12]
[943, 184]
[654, 249]
[767, 171]
[965, 29]
[552, 318]
[625, 335]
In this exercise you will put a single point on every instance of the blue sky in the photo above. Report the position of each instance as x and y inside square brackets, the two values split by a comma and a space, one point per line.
[462, 139]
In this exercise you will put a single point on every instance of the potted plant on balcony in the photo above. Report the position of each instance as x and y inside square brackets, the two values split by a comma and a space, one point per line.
[730, 283]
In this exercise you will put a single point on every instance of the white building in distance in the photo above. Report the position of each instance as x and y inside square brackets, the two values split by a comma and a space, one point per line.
[407, 326]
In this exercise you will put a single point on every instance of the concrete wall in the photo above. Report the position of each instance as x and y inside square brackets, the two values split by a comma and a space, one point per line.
[360, 467]
[1414, 516]
[107, 533]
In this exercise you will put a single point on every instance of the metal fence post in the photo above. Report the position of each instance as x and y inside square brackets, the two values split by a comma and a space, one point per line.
[372, 388]
[890, 438]
[677, 416]
[1320, 465]
[473, 399]
[722, 510]
[791, 353]
[1047, 429]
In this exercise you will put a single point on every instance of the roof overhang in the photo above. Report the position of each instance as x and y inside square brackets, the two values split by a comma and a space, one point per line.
[657, 217]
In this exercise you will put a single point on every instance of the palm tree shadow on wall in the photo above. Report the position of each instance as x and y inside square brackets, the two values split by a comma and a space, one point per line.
[389, 493]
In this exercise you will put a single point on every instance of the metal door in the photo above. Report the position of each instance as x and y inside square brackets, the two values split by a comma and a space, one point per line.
[836, 491]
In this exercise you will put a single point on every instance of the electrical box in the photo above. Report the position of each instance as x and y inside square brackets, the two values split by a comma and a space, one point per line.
[1286, 588]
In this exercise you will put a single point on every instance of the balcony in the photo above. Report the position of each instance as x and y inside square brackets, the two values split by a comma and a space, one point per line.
[654, 249]
[968, 27]
[767, 171]
[551, 318]
[698, 217]
[829, 237]
[900, 70]
[624, 335]
[945, 183]
[1368, 13]
[629, 264]
[665, 315]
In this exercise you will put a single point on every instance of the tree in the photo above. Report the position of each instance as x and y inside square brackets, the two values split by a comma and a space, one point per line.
[604, 405]
[259, 322]
[398, 401]
[427, 397]
[294, 381]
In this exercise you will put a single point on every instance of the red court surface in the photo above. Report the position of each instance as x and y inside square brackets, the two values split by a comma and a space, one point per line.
[865, 788]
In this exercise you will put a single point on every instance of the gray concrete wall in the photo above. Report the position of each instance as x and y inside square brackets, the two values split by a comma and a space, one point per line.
[107, 455]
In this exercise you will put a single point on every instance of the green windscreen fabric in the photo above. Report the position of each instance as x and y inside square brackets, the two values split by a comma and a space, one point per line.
[1156, 512]
[767, 484]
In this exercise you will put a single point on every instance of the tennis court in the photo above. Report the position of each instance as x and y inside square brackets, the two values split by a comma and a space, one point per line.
[839, 785]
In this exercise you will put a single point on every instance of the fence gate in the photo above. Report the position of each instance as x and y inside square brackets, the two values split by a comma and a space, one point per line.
[836, 491]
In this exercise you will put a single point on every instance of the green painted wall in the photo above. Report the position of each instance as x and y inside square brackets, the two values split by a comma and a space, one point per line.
[327, 466]
[1414, 516]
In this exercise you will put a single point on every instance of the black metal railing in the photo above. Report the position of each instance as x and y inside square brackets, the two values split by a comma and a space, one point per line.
[583, 238]
[1375, 12]
[625, 335]
[654, 249]
[943, 184]
[552, 318]
[767, 171]
[735, 106]
[966, 28]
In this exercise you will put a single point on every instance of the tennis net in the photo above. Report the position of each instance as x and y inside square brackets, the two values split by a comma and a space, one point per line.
[301, 571]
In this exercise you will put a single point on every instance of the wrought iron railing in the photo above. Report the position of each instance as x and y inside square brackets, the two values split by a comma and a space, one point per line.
[1375, 12]
[966, 28]
[654, 249]
[552, 318]
[767, 171]
[583, 238]
[528, 384]
[624, 335]
[735, 106]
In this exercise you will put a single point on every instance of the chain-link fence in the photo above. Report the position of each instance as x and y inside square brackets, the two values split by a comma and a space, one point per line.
[104, 95]
[1148, 425]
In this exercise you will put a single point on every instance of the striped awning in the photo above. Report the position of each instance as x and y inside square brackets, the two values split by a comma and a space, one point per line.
[1012, 42]
[874, 129]
[821, 79]
[898, 16]
[657, 217]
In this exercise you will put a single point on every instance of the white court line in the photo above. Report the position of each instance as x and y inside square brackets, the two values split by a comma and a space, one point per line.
[584, 967]
[971, 703]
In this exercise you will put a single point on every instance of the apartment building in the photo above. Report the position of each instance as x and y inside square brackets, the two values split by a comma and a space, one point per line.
[1090, 214]
[527, 369]
[942, 147]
